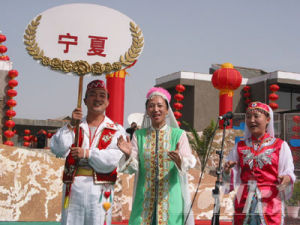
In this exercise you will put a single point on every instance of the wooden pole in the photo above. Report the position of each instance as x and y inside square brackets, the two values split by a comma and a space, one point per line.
[79, 100]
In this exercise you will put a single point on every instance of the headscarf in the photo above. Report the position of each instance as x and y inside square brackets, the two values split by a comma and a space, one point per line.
[170, 118]
[268, 110]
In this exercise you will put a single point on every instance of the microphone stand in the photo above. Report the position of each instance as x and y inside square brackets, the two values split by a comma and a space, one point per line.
[216, 192]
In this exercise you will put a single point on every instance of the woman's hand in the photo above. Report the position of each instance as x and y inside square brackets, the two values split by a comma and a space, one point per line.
[284, 181]
[125, 146]
[228, 165]
[174, 155]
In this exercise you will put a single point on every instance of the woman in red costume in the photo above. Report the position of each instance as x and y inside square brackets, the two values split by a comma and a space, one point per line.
[261, 168]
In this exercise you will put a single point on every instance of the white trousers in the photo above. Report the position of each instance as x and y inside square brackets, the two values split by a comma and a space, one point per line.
[86, 203]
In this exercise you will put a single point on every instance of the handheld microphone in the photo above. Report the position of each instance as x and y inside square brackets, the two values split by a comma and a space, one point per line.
[226, 116]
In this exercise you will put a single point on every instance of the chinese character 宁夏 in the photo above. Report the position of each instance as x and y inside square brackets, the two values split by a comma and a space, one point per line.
[97, 46]
[67, 42]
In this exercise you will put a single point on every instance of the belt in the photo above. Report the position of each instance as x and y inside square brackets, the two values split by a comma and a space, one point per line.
[84, 172]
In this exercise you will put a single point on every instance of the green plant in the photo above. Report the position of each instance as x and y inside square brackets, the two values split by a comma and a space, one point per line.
[201, 144]
[295, 199]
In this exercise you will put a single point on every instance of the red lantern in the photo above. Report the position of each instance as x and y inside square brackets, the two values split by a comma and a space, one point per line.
[9, 133]
[178, 105]
[246, 88]
[26, 138]
[3, 49]
[4, 58]
[226, 78]
[9, 143]
[296, 119]
[13, 83]
[177, 114]
[2, 38]
[273, 105]
[247, 101]
[247, 95]
[26, 143]
[296, 129]
[11, 93]
[13, 73]
[180, 88]
[10, 113]
[179, 123]
[26, 131]
[273, 96]
[10, 123]
[49, 135]
[295, 136]
[179, 97]
[35, 139]
[11, 103]
[274, 87]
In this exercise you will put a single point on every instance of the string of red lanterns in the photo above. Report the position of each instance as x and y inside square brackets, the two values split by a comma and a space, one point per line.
[11, 93]
[247, 94]
[296, 130]
[273, 96]
[178, 105]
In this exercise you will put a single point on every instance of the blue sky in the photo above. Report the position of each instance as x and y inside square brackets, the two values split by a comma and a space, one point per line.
[180, 35]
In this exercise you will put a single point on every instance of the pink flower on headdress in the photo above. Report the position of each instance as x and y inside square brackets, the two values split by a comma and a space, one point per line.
[159, 90]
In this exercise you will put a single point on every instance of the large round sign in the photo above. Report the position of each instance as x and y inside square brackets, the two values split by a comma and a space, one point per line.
[83, 38]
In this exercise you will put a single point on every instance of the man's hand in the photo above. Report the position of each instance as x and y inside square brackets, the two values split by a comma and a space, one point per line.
[76, 116]
[174, 155]
[228, 165]
[125, 145]
[284, 181]
[79, 153]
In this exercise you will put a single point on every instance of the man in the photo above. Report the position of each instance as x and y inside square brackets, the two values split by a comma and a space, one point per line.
[90, 169]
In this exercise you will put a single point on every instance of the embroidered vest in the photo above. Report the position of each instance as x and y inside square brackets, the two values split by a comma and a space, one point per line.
[260, 166]
[71, 164]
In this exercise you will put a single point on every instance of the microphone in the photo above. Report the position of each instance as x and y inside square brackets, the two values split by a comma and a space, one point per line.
[226, 116]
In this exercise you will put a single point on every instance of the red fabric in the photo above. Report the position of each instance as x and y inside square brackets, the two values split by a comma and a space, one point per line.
[266, 178]
[115, 109]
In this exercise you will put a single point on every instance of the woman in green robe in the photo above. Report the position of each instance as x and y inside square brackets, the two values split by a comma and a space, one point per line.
[160, 156]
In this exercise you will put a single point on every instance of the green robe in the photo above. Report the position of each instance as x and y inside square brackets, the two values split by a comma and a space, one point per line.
[158, 192]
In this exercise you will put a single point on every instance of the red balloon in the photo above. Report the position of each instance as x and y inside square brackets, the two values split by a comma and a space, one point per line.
[247, 94]
[10, 113]
[273, 105]
[246, 88]
[296, 119]
[273, 96]
[13, 73]
[2, 38]
[177, 114]
[26, 143]
[274, 87]
[180, 88]
[13, 83]
[178, 105]
[9, 143]
[10, 123]
[9, 133]
[26, 131]
[179, 97]
[179, 123]
[3, 49]
[11, 103]
[11, 93]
